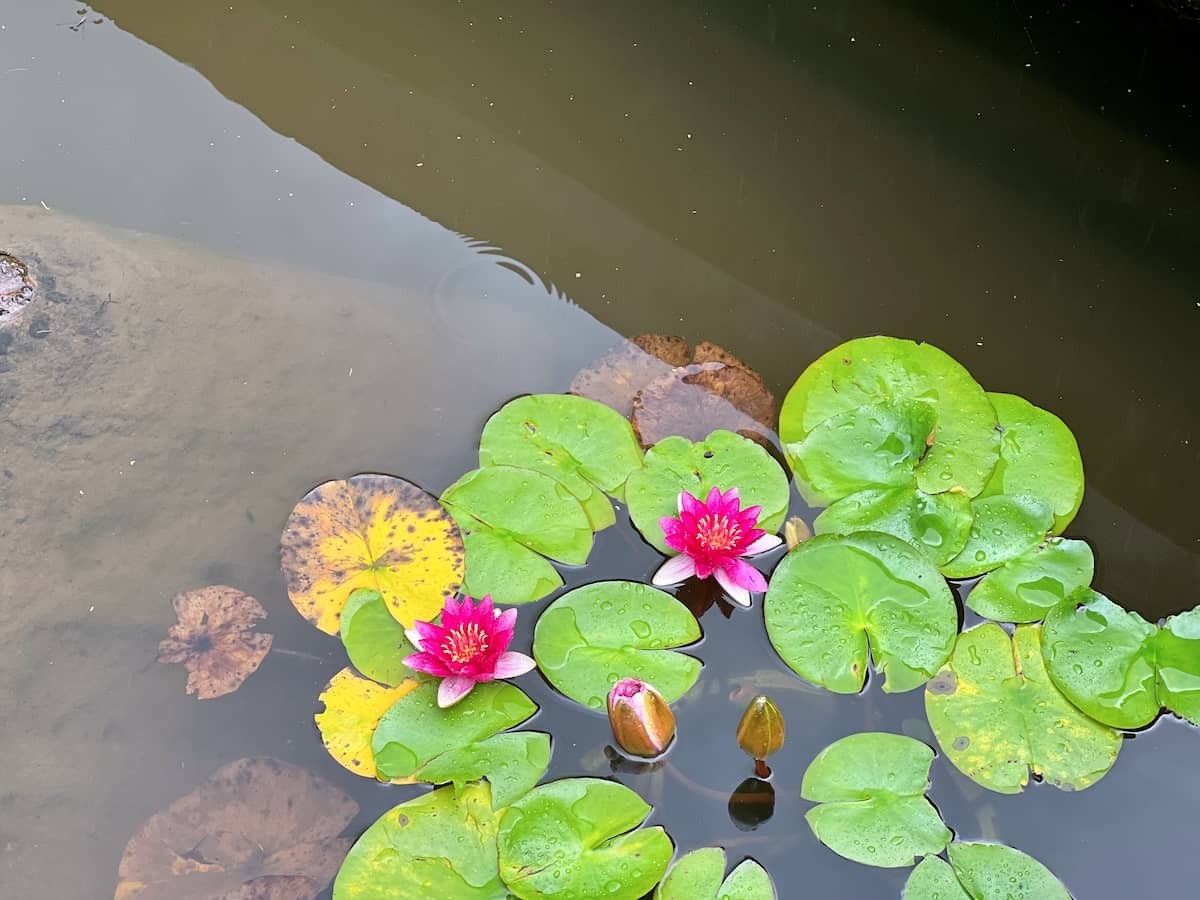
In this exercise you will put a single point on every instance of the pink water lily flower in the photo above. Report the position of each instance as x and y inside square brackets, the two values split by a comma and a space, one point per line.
[469, 646]
[712, 537]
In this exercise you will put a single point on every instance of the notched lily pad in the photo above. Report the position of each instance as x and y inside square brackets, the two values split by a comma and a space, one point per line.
[1003, 528]
[934, 879]
[872, 809]
[994, 872]
[353, 707]
[214, 641]
[693, 401]
[258, 828]
[374, 640]
[591, 637]
[700, 875]
[376, 532]
[998, 716]
[1117, 667]
[1025, 588]
[834, 595]
[578, 839]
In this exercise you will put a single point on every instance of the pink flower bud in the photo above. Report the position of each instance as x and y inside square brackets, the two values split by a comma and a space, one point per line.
[642, 722]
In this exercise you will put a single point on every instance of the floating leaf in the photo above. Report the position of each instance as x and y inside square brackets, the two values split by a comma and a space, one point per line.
[871, 790]
[698, 876]
[592, 636]
[1026, 587]
[936, 524]
[1038, 456]
[1004, 528]
[694, 401]
[370, 531]
[874, 370]
[934, 879]
[616, 377]
[724, 460]
[353, 707]
[374, 640]
[1117, 667]
[997, 872]
[521, 511]
[416, 740]
[256, 828]
[438, 845]
[582, 444]
[213, 639]
[997, 716]
[834, 593]
[875, 446]
[575, 839]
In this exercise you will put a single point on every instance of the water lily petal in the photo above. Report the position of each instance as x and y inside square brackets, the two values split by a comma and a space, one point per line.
[414, 637]
[763, 544]
[674, 570]
[512, 664]
[428, 663]
[744, 575]
[690, 504]
[505, 621]
[736, 592]
[715, 499]
[453, 689]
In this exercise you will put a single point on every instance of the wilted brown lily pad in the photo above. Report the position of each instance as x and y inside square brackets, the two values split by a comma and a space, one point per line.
[17, 287]
[213, 639]
[615, 378]
[693, 401]
[258, 829]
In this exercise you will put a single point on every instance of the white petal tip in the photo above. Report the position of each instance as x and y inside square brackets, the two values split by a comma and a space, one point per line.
[674, 570]
[763, 544]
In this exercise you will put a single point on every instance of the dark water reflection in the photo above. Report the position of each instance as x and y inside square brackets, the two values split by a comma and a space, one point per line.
[771, 176]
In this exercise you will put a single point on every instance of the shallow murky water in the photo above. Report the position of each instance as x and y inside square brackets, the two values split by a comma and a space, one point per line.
[250, 217]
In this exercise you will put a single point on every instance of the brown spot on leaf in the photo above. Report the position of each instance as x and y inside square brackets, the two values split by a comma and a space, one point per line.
[214, 641]
[258, 829]
[944, 682]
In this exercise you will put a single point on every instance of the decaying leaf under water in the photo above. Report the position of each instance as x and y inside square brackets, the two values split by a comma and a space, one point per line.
[17, 287]
[213, 639]
[258, 829]
[693, 401]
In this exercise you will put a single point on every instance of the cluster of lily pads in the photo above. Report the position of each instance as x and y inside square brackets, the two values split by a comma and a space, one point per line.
[924, 477]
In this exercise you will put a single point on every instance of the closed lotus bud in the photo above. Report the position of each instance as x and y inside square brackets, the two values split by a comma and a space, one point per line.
[761, 731]
[642, 723]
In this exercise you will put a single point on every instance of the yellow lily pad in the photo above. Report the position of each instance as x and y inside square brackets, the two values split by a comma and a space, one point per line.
[353, 707]
[375, 532]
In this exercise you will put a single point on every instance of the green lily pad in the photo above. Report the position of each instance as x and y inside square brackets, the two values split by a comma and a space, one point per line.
[374, 640]
[997, 716]
[934, 879]
[1038, 456]
[936, 524]
[873, 370]
[591, 637]
[1117, 667]
[578, 839]
[997, 872]
[584, 445]
[872, 809]
[417, 739]
[1025, 588]
[835, 594]
[725, 460]
[435, 845]
[1004, 528]
[522, 513]
[698, 876]
[875, 446]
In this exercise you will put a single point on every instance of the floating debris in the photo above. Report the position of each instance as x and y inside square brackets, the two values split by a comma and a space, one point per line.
[213, 639]
[18, 287]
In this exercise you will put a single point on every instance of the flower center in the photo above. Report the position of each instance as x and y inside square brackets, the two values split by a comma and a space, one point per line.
[465, 644]
[718, 533]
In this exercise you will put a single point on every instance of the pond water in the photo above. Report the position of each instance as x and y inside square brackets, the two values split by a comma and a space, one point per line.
[285, 240]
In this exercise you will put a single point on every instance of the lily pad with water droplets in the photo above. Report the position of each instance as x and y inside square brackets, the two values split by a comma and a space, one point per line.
[872, 809]
[578, 839]
[836, 596]
[1117, 667]
[700, 875]
[416, 740]
[510, 519]
[877, 446]
[441, 844]
[724, 460]
[374, 640]
[584, 445]
[1025, 588]
[998, 716]
[1038, 456]
[934, 879]
[1004, 527]
[997, 872]
[591, 637]
[875, 370]
[936, 524]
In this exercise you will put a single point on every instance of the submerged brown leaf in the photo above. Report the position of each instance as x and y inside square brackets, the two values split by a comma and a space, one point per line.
[213, 639]
[258, 829]
[670, 348]
[615, 378]
[693, 401]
